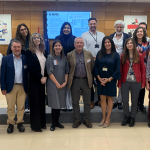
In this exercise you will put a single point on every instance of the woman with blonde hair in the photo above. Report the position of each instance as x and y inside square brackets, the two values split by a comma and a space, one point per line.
[36, 59]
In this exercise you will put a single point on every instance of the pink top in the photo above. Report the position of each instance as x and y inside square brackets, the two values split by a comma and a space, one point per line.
[42, 60]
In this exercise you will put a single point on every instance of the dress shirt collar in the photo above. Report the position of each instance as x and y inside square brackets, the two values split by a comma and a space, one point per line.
[17, 58]
[121, 35]
[78, 53]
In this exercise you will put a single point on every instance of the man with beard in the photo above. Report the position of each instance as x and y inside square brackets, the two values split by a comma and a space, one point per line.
[92, 42]
[119, 38]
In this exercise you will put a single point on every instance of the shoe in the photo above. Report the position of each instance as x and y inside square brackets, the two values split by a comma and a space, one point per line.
[69, 110]
[120, 106]
[106, 124]
[125, 121]
[52, 128]
[101, 123]
[59, 125]
[26, 111]
[10, 128]
[149, 123]
[20, 127]
[44, 127]
[37, 130]
[132, 122]
[115, 105]
[92, 105]
[64, 110]
[87, 124]
[76, 124]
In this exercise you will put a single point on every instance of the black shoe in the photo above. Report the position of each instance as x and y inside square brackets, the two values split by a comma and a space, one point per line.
[52, 128]
[10, 128]
[59, 125]
[69, 110]
[149, 123]
[37, 130]
[44, 127]
[120, 106]
[20, 127]
[115, 105]
[125, 121]
[64, 110]
[132, 122]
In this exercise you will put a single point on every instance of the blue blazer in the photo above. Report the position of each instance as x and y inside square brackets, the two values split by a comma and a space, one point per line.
[8, 73]
[125, 36]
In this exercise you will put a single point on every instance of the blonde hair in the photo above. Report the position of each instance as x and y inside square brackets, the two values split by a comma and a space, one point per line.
[32, 47]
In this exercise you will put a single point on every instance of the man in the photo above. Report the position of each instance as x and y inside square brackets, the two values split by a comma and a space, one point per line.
[80, 77]
[14, 84]
[92, 40]
[119, 38]
[144, 25]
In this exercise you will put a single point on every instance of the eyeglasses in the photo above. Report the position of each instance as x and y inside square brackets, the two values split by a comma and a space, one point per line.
[23, 29]
[36, 38]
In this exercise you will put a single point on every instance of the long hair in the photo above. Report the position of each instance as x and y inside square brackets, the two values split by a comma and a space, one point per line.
[102, 52]
[62, 51]
[19, 36]
[63, 26]
[126, 52]
[144, 40]
[32, 46]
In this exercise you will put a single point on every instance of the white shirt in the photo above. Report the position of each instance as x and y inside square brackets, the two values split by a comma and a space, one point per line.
[118, 44]
[148, 39]
[18, 69]
[1, 56]
[89, 41]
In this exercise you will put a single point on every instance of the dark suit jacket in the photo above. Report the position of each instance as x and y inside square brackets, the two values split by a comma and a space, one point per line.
[125, 36]
[8, 73]
[89, 65]
[34, 67]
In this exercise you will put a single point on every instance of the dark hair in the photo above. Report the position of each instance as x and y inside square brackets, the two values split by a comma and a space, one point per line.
[19, 36]
[126, 52]
[144, 40]
[144, 24]
[92, 19]
[102, 52]
[53, 51]
[15, 40]
[63, 26]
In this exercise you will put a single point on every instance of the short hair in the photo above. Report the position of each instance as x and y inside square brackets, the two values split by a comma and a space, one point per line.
[144, 24]
[15, 40]
[119, 22]
[78, 38]
[92, 19]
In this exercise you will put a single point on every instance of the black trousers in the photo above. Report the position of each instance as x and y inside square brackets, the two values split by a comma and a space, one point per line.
[141, 98]
[55, 116]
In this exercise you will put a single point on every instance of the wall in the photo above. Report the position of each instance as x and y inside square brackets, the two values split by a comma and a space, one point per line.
[31, 13]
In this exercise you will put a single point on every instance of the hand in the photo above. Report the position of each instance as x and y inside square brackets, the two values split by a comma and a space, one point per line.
[58, 86]
[147, 86]
[94, 58]
[105, 80]
[64, 84]
[4, 92]
[43, 80]
[142, 88]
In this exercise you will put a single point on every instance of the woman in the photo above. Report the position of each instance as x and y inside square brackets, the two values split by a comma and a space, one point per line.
[57, 69]
[23, 35]
[132, 79]
[107, 70]
[37, 77]
[67, 40]
[142, 47]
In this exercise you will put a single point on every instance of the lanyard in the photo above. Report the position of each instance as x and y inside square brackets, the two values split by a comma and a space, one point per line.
[94, 38]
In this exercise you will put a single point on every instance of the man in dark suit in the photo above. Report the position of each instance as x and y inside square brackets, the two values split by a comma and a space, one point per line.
[14, 85]
[80, 77]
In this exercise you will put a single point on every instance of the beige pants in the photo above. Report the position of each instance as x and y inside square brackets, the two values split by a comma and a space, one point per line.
[16, 97]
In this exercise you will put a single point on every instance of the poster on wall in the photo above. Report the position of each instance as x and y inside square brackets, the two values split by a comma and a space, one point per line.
[5, 29]
[132, 22]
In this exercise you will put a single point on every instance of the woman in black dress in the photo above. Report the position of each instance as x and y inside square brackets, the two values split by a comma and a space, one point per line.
[37, 77]
[107, 70]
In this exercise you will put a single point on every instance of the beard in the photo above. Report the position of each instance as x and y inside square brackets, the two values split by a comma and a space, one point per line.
[93, 28]
[119, 32]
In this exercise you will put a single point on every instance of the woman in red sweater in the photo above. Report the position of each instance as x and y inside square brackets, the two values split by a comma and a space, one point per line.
[132, 78]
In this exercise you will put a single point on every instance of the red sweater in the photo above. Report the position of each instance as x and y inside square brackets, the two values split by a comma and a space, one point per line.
[138, 68]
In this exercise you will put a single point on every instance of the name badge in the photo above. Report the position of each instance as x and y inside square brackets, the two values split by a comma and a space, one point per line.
[25, 66]
[88, 60]
[105, 69]
[55, 62]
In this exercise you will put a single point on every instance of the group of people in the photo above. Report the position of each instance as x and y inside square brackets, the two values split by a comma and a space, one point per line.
[76, 63]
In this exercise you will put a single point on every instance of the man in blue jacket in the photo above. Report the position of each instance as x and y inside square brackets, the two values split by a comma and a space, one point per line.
[14, 85]
[119, 38]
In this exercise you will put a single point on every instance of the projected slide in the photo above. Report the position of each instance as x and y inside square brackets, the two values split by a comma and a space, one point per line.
[78, 21]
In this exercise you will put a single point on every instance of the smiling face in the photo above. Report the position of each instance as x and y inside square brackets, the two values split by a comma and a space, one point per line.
[107, 44]
[92, 25]
[36, 40]
[23, 31]
[66, 29]
[119, 29]
[16, 48]
[140, 33]
[129, 45]
[57, 48]
[79, 44]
